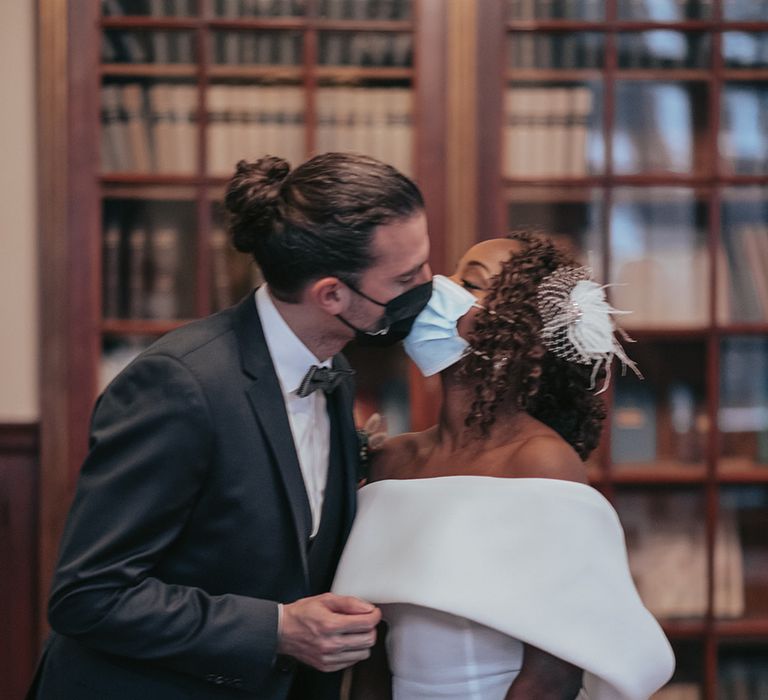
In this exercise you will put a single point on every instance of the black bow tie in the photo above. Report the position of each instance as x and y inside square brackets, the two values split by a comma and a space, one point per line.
[323, 378]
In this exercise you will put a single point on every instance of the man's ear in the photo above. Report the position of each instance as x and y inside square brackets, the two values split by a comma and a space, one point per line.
[330, 295]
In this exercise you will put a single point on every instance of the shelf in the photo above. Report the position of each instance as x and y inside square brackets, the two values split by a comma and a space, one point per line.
[272, 73]
[146, 23]
[357, 73]
[745, 476]
[117, 326]
[683, 629]
[571, 25]
[757, 627]
[655, 474]
[149, 70]
[570, 75]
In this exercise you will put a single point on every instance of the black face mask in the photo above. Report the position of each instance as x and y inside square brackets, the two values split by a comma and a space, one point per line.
[399, 315]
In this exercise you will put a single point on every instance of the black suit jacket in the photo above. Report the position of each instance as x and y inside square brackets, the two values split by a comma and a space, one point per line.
[189, 521]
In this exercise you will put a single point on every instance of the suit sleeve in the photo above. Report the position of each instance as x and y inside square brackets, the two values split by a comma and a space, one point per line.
[151, 441]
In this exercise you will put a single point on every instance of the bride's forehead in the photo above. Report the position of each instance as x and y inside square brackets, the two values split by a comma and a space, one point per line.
[491, 253]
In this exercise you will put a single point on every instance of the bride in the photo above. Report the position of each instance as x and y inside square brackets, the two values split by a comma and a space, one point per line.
[500, 573]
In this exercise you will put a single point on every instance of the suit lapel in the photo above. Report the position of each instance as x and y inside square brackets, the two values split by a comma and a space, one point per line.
[266, 399]
[341, 403]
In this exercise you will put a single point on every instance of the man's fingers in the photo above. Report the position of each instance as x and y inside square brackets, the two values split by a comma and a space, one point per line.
[348, 605]
[357, 642]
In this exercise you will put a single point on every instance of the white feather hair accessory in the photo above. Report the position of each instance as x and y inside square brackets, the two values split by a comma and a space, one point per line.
[578, 323]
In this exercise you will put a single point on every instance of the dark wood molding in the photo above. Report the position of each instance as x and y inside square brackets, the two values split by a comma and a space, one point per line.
[68, 225]
[19, 611]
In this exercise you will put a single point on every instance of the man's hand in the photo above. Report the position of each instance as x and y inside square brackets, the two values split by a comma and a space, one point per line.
[328, 632]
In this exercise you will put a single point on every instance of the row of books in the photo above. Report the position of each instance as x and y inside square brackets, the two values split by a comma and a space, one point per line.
[743, 136]
[154, 129]
[679, 691]
[743, 50]
[743, 679]
[330, 9]
[667, 543]
[746, 290]
[641, 10]
[547, 130]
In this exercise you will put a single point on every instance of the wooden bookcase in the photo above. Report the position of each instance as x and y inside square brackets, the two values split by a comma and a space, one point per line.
[635, 131]
[135, 109]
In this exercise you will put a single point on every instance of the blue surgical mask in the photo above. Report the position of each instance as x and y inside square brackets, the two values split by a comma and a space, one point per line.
[434, 342]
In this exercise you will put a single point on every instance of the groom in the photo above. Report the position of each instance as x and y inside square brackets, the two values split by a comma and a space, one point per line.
[220, 484]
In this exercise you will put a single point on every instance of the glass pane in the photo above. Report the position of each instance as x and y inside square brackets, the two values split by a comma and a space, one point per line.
[664, 49]
[233, 274]
[270, 48]
[149, 127]
[365, 49]
[742, 671]
[743, 413]
[743, 258]
[163, 47]
[572, 217]
[588, 10]
[375, 120]
[660, 422]
[149, 256]
[541, 50]
[742, 139]
[155, 8]
[366, 9]
[247, 121]
[746, 49]
[259, 8]
[660, 127]
[659, 257]
[664, 10]
[666, 538]
[744, 10]
[117, 352]
[553, 130]
[741, 553]
[688, 680]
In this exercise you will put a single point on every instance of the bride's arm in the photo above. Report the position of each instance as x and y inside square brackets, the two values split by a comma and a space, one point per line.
[372, 679]
[544, 677]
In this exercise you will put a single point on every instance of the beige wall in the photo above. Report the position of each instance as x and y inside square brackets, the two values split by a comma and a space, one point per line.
[19, 346]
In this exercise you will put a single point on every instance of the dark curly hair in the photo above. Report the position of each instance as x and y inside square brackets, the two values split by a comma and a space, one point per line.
[510, 362]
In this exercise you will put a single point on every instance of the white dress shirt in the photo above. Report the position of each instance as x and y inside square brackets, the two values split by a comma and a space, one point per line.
[307, 416]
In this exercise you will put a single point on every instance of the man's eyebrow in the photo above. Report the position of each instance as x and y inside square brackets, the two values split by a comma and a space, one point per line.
[412, 271]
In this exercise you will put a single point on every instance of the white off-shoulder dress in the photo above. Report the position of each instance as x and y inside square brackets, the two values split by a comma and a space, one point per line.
[467, 568]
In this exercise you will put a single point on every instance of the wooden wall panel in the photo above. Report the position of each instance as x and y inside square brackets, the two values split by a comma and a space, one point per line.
[18, 558]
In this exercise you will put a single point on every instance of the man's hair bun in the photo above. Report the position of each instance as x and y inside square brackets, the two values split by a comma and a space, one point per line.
[253, 200]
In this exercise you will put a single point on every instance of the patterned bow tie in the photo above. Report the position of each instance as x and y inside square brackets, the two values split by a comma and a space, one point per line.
[323, 378]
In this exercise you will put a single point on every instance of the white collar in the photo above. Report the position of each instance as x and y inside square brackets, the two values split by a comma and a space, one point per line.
[290, 356]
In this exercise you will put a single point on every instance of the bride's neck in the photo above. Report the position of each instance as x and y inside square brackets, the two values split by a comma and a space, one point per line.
[452, 432]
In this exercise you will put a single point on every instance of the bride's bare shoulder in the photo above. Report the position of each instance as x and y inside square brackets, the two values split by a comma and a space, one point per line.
[548, 456]
[398, 456]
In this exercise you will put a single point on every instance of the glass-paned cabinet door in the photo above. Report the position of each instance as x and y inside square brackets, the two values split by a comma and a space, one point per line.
[742, 671]
[148, 253]
[661, 127]
[552, 130]
[149, 126]
[664, 49]
[665, 531]
[687, 683]
[659, 423]
[742, 259]
[741, 553]
[743, 409]
[570, 216]
[659, 257]
[575, 10]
